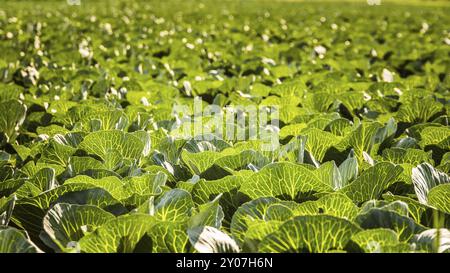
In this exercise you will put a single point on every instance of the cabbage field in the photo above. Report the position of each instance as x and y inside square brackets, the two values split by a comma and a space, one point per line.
[224, 126]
